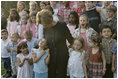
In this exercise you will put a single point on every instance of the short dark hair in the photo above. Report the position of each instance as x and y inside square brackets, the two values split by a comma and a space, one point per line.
[4, 30]
[106, 26]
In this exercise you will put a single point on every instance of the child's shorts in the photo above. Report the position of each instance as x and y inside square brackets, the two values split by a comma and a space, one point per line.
[41, 75]
[6, 63]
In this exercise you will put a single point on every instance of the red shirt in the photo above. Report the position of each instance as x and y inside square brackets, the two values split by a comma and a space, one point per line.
[94, 57]
[79, 11]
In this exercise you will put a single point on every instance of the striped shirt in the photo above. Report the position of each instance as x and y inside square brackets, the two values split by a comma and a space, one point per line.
[12, 54]
[107, 45]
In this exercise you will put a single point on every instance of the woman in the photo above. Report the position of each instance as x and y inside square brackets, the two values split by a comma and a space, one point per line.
[56, 34]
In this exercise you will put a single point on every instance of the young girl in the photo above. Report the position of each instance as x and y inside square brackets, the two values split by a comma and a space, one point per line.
[97, 62]
[42, 5]
[41, 58]
[73, 22]
[33, 6]
[22, 27]
[32, 24]
[13, 21]
[24, 58]
[76, 62]
[20, 7]
[84, 30]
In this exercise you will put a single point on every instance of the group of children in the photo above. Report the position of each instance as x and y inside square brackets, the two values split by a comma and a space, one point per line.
[25, 53]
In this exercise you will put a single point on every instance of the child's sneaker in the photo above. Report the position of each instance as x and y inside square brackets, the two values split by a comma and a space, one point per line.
[14, 76]
[8, 74]
[4, 75]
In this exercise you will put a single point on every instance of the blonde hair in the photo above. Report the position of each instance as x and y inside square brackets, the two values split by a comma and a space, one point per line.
[20, 2]
[36, 6]
[81, 40]
[84, 15]
[44, 17]
[15, 34]
[28, 33]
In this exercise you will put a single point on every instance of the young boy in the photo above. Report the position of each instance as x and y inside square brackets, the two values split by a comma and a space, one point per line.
[108, 43]
[111, 20]
[114, 60]
[94, 17]
[31, 42]
[102, 10]
[64, 12]
[12, 48]
[4, 53]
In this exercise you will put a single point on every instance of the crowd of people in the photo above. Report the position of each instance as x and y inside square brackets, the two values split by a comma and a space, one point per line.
[60, 39]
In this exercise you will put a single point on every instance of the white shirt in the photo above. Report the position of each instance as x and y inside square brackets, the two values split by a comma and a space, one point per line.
[4, 52]
[75, 68]
[40, 31]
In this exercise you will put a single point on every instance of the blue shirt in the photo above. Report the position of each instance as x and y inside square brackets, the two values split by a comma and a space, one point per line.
[31, 44]
[114, 51]
[40, 66]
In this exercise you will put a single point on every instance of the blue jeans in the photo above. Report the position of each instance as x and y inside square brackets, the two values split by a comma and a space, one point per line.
[41, 75]
[6, 63]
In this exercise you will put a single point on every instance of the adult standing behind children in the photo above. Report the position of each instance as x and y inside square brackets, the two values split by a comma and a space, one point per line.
[56, 34]
[94, 17]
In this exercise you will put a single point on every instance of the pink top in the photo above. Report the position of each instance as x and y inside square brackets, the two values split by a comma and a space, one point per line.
[32, 28]
[12, 26]
[85, 39]
[22, 32]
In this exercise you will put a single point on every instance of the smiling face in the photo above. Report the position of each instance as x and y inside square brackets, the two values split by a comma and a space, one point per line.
[32, 6]
[20, 6]
[43, 43]
[106, 33]
[23, 19]
[77, 45]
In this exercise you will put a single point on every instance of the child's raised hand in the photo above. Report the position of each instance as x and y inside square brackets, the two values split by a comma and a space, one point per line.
[33, 55]
[7, 48]
[14, 49]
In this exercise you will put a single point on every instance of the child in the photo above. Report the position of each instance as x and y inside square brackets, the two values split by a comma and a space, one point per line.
[108, 43]
[81, 7]
[13, 21]
[76, 62]
[114, 60]
[97, 62]
[53, 5]
[20, 7]
[22, 27]
[4, 53]
[32, 24]
[94, 17]
[41, 58]
[64, 12]
[55, 17]
[111, 20]
[31, 42]
[102, 10]
[73, 22]
[24, 58]
[84, 30]
[12, 47]
[42, 5]
[33, 6]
